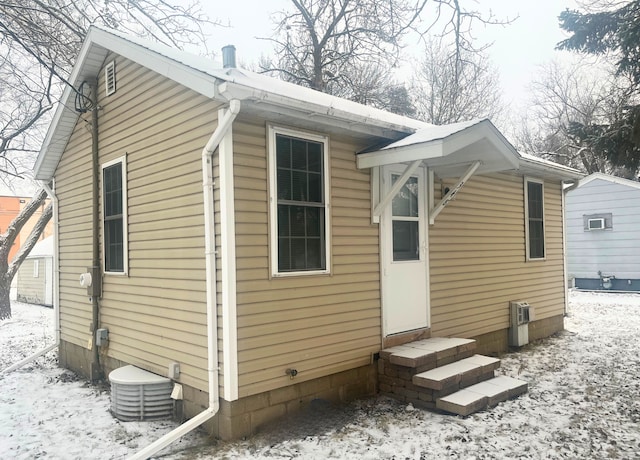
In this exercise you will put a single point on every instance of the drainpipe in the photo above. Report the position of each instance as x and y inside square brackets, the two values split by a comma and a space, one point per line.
[224, 125]
[56, 292]
[572, 186]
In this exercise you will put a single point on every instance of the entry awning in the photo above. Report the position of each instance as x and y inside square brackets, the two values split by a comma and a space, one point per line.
[449, 150]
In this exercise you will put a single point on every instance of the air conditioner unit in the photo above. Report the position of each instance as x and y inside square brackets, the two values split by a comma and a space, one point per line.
[520, 317]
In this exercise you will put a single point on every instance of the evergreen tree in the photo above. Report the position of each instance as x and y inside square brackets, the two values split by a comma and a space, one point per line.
[615, 32]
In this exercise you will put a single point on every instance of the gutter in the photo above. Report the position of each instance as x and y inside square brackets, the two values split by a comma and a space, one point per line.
[56, 290]
[224, 125]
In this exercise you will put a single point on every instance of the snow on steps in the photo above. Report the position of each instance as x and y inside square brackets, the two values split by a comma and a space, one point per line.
[444, 374]
[482, 395]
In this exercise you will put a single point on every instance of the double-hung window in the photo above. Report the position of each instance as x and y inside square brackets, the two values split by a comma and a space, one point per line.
[114, 215]
[299, 202]
[534, 218]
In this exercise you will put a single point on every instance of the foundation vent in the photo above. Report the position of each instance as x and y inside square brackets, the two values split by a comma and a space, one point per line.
[140, 395]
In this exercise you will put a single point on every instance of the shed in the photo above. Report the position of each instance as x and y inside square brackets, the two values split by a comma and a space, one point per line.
[35, 275]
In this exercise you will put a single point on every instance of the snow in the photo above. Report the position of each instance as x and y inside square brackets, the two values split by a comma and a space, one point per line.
[583, 402]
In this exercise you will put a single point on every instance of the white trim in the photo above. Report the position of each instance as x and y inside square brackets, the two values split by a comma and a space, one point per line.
[125, 212]
[597, 219]
[228, 256]
[36, 268]
[375, 192]
[273, 199]
[563, 204]
[526, 220]
[608, 178]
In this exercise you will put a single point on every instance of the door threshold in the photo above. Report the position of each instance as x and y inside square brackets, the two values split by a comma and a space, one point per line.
[406, 337]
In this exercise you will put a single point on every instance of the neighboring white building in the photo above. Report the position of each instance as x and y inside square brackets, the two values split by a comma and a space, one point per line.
[35, 276]
[603, 233]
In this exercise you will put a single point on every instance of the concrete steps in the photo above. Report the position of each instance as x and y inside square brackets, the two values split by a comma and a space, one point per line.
[445, 374]
[482, 395]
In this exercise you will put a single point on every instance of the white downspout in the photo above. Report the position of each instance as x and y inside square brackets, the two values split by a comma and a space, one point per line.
[224, 125]
[56, 291]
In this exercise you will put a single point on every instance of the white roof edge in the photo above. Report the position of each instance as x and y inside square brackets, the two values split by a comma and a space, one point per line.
[204, 77]
[545, 165]
[609, 178]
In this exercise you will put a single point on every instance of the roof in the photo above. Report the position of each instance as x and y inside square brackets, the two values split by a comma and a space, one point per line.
[282, 101]
[609, 178]
[450, 149]
[259, 93]
[43, 248]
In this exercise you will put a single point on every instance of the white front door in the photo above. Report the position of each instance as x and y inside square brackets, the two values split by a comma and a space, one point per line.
[405, 254]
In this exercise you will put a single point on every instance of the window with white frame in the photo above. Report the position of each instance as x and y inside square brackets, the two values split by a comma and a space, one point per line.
[534, 218]
[36, 268]
[114, 216]
[298, 164]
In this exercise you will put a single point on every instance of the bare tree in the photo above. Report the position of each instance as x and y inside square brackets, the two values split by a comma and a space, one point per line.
[448, 88]
[322, 44]
[567, 98]
[39, 41]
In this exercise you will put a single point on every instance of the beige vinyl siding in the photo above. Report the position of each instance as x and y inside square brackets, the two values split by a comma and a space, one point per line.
[73, 188]
[477, 257]
[318, 324]
[156, 312]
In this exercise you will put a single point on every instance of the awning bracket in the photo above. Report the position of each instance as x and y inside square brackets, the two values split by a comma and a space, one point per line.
[377, 210]
[450, 195]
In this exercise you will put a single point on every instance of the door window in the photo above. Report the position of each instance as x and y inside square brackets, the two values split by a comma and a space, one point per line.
[405, 221]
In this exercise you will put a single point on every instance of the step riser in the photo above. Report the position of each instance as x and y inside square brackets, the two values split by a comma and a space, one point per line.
[482, 396]
[410, 373]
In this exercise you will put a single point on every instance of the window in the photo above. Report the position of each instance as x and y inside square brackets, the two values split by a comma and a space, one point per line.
[534, 216]
[114, 199]
[36, 268]
[405, 221]
[299, 202]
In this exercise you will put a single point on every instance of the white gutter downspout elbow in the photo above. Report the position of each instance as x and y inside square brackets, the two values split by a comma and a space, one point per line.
[56, 291]
[224, 125]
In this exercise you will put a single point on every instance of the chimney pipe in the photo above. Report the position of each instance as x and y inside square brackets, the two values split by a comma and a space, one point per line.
[229, 57]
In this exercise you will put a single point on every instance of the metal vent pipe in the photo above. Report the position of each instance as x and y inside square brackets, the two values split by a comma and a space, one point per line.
[229, 57]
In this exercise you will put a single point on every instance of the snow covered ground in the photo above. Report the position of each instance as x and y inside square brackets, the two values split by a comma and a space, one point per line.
[583, 402]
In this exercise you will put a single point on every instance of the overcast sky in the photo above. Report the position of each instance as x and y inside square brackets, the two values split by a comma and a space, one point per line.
[518, 48]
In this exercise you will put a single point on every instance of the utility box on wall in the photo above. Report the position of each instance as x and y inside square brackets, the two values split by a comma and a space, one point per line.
[520, 313]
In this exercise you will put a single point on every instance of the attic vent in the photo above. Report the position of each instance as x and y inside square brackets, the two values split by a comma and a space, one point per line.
[110, 77]
[140, 395]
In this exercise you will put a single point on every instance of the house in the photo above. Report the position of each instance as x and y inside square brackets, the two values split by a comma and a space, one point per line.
[603, 248]
[260, 243]
[35, 275]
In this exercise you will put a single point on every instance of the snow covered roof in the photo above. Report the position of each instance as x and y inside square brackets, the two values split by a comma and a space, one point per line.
[259, 93]
[450, 149]
[609, 178]
[282, 101]
[43, 248]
